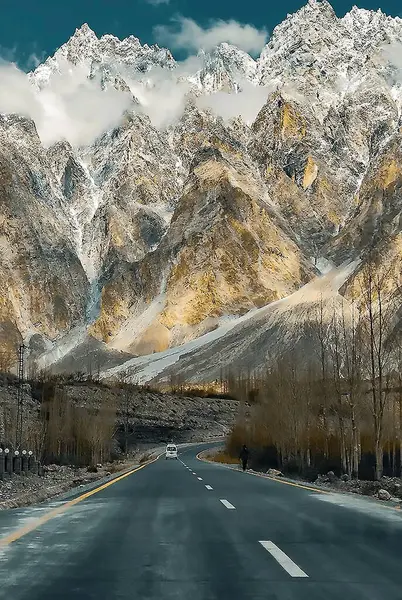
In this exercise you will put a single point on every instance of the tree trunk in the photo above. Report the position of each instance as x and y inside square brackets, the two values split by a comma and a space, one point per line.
[379, 459]
[393, 457]
[400, 434]
[400, 458]
[343, 445]
[355, 447]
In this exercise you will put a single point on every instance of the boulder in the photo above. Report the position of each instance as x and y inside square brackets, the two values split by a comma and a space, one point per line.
[331, 476]
[274, 473]
[51, 468]
[398, 490]
[383, 495]
[322, 479]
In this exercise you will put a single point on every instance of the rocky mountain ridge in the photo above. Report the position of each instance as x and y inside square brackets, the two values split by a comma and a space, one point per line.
[159, 231]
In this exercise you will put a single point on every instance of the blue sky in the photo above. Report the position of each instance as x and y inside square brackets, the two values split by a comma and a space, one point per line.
[38, 28]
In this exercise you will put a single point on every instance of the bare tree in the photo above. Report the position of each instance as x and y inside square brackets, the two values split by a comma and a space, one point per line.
[379, 310]
[323, 332]
[352, 359]
[337, 368]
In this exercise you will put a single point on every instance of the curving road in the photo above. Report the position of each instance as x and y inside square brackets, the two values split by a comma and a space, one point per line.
[165, 533]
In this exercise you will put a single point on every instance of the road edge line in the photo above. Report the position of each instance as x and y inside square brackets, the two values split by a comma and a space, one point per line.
[304, 487]
[299, 485]
[19, 533]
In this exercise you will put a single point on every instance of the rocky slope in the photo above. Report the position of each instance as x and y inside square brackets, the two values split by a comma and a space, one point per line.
[153, 417]
[169, 224]
[247, 342]
[44, 289]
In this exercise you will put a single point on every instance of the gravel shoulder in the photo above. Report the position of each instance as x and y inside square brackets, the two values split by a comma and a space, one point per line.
[368, 490]
[19, 490]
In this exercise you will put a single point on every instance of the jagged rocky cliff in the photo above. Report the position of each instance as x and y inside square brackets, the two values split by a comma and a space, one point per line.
[168, 222]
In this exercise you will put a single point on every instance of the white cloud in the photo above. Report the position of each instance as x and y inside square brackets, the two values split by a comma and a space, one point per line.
[392, 54]
[16, 93]
[71, 107]
[247, 103]
[162, 97]
[191, 37]
[75, 108]
[157, 2]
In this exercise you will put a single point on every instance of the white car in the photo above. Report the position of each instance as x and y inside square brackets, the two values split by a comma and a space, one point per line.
[171, 451]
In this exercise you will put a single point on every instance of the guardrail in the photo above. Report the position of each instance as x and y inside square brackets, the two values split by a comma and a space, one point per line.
[18, 463]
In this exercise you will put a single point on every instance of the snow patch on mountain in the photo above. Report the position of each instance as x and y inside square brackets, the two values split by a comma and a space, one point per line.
[62, 347]
[147, 367]
[138, 323]
[235, 335]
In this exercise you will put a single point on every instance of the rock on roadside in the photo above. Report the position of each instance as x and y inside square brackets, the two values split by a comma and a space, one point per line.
[274, 473]
[384, 495]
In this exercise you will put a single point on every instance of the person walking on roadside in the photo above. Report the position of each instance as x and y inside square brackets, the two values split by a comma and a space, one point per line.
[244, 456]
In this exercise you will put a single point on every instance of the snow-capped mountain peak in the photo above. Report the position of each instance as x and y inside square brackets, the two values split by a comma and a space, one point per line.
[85, 48]
[178, 222]
[223, 68]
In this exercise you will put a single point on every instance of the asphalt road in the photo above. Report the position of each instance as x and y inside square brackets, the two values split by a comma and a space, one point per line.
[162, 534]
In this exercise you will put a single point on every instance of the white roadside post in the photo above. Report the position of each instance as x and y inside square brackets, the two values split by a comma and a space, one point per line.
[2, 464]
[9, 461]
[24, 462]
[17, 463]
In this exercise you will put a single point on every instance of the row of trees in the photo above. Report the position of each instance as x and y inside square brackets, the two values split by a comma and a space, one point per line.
[59, 427]
[342, 405]
[60, 430]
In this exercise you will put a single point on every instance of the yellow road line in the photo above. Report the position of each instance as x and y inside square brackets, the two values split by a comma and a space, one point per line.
[299, 485]
[19, 533]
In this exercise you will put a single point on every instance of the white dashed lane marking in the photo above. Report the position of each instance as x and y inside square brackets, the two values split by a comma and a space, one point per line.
[227, 504]
[283, 559]
[199, 478]
[209, 487]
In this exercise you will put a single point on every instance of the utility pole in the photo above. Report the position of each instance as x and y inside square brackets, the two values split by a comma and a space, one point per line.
[20, 402]
[126, 421]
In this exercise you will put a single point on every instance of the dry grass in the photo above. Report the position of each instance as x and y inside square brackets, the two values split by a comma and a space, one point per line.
[222, 457]
[145, 458]
[117, 467]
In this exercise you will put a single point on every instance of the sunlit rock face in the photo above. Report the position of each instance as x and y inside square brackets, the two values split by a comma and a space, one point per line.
[188, 209]
[44, 287]
[374, 235]
[223, 254]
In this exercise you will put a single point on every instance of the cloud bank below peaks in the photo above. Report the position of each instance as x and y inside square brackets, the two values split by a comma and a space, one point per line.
[163, 96]
[246, 103]
[74, 106]
[71, 107]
